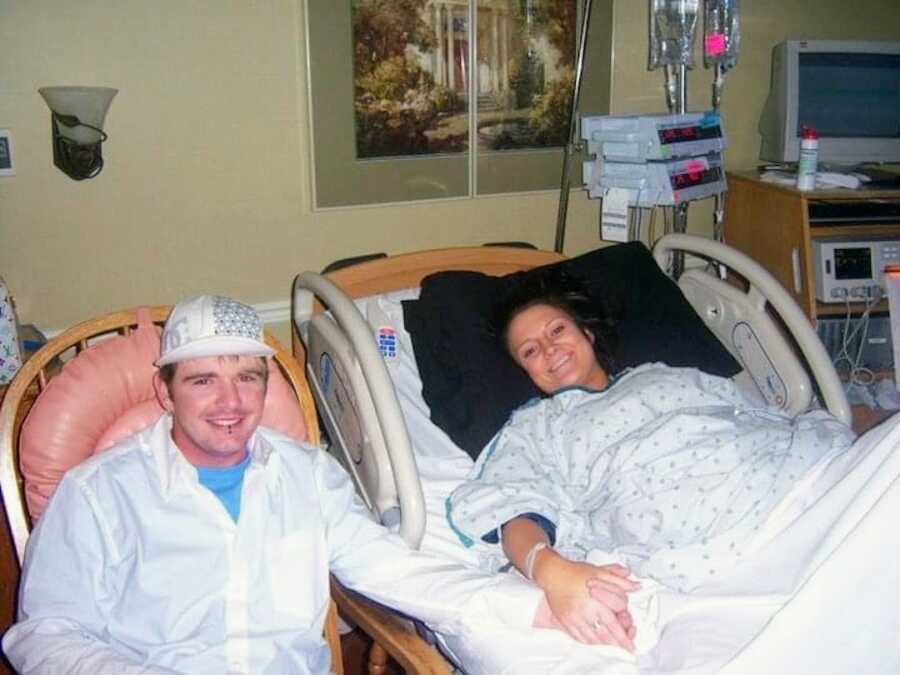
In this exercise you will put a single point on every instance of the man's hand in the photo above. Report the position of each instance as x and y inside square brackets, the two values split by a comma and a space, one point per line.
[544, 616]
[589, 602]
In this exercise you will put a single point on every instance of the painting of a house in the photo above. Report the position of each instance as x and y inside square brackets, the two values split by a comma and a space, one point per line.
[416, 92]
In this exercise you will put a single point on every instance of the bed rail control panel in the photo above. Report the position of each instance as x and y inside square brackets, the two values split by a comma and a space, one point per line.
[724, 307]
[753, 339]
[358, 404]
[349, 416]
[330, 364]
[764, 374]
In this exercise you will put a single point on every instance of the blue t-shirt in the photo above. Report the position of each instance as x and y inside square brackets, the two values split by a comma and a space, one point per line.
[225, 483]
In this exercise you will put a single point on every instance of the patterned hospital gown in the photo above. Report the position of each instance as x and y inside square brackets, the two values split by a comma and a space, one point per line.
[669, 469]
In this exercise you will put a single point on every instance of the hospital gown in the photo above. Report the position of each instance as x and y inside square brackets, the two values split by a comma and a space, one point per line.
[669, 470]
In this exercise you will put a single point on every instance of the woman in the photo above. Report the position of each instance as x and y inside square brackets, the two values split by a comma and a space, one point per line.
[669, 470]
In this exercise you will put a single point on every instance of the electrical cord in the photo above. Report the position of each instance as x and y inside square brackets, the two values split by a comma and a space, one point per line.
[854, 330]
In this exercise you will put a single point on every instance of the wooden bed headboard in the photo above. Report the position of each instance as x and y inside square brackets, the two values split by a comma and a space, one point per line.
[406, 270]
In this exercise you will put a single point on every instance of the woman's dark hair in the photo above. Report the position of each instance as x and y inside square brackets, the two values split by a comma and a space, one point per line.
[568, 294]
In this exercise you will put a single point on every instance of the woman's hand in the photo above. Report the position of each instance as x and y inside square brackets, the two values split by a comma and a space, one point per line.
[606, 589]
[590, 602]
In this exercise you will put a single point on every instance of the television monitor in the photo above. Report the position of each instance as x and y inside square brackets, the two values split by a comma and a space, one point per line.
[847, 90]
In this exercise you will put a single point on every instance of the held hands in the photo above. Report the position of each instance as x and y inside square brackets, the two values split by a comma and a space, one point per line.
[589, 602]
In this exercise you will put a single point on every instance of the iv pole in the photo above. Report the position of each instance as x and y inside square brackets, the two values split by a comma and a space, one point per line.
[571, 146]
[680, 210]
[676, 98]
[677, 103]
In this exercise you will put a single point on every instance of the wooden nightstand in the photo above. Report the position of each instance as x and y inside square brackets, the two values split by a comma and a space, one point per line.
[773, 224]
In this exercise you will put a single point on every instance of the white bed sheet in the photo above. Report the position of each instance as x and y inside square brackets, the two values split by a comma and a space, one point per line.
[818, 596]
[441, 463]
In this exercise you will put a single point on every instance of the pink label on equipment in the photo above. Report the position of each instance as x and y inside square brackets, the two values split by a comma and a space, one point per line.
[715, 44]
[696, 166]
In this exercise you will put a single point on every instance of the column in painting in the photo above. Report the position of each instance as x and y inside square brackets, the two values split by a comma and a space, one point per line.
[504, 50]
[438, 54]
[451, 51]
[495, 49]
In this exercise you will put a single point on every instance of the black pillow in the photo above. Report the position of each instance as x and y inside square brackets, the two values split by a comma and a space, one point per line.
[472, 385]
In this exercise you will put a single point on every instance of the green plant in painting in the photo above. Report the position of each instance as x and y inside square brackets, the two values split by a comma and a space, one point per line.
[393, 77]
[394, 103]
[383, 29]
[549, 118]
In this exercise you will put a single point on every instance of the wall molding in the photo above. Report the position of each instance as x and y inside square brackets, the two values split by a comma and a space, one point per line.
[276, 311]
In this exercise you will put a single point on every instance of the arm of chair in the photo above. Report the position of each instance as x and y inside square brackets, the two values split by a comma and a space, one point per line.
[390, 633]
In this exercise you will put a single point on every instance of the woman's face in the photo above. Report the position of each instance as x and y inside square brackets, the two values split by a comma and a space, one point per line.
[553, 350]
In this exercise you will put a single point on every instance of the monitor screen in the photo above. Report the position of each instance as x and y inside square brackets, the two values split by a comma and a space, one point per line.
[849, 95]
[847, 90]
[854, 262]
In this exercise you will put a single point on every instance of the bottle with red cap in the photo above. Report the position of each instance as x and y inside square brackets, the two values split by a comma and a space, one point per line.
[809, 157]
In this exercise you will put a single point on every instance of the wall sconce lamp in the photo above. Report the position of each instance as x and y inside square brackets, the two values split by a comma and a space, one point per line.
[77, 115]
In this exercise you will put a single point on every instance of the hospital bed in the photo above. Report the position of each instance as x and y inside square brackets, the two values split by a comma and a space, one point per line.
[368, 391]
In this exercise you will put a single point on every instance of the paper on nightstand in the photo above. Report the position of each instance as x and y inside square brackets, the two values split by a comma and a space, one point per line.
[831, 179]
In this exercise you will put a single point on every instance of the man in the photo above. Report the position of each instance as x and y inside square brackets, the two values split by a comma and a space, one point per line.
[203, 543]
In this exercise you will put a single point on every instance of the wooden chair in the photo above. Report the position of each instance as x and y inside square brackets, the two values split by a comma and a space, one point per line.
[390, 635]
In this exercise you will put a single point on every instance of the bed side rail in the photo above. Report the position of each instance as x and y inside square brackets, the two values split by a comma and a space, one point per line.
[358, 404]
[740, 320]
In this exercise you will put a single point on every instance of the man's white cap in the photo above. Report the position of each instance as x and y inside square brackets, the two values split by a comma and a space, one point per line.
[211, 325]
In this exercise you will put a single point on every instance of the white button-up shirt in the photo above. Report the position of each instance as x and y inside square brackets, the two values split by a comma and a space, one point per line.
[136, 567]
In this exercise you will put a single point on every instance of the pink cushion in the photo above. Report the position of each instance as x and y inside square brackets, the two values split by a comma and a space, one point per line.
[105, 394]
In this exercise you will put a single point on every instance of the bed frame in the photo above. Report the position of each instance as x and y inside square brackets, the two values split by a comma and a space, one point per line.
[360, 409]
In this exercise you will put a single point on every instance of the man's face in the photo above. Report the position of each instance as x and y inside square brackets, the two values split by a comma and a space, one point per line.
[216, 404]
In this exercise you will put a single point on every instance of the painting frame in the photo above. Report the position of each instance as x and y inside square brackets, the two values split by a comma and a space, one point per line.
[341, 178]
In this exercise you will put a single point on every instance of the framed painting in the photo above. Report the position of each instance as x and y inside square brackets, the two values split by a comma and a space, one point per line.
[425, 99]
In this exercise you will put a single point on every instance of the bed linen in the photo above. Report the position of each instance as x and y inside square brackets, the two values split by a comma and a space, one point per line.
[816, 594]
[670, 470]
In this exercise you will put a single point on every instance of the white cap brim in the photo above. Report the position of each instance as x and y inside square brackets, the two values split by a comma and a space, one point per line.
[216, 345]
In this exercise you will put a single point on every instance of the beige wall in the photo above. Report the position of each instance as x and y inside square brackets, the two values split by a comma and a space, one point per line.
[206, 185]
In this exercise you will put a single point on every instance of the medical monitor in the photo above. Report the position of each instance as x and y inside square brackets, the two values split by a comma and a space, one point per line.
[848, 90]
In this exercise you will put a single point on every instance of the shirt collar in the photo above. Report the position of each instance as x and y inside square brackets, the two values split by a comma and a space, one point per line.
[173, 468]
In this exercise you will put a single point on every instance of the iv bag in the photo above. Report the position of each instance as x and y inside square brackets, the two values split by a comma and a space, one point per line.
[672, 26]
[721, 33]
